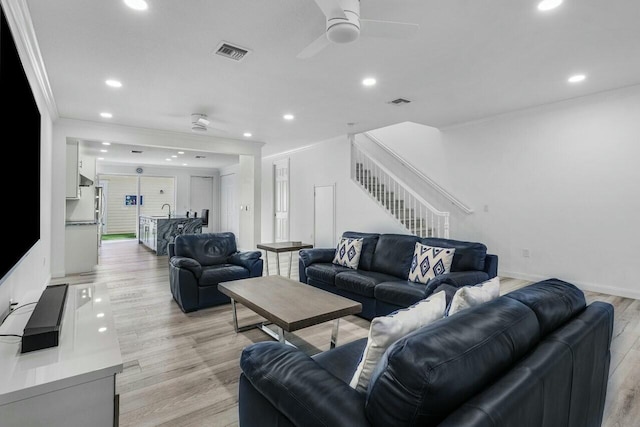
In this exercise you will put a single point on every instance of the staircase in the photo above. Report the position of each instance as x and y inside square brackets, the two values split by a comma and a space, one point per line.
[400, 202]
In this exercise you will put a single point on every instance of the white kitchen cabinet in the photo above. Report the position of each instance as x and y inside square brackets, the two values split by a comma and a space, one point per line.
[73, 176]
[81, 246]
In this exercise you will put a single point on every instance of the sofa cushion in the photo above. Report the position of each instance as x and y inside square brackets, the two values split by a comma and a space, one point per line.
[361, 282]
[393, 254]
[554, 301]
[470, 296]
[342, 361]
[369, 241]
[385, 330]
[468, 256]
[325, 272]
[400, 292]
[348, 253]
[206, 248]
[213, 275]
[429, 262]
[427, 374]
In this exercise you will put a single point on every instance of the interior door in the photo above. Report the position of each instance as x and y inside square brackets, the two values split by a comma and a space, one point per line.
[229, 213]
[281, 200]
[324, 216]
[201, 197]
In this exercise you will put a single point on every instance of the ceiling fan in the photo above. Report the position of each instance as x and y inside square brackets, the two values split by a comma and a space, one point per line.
[345, 26]
[201, 123]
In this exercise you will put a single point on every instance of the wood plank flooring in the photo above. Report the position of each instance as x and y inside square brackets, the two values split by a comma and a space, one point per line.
[182, 369]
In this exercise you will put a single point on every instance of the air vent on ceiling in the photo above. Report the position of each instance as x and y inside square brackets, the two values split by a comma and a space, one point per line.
[136, 151]
[201, 157]
[232, 52]
[399, 101]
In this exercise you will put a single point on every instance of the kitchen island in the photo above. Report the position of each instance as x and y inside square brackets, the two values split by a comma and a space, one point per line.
[156, 232]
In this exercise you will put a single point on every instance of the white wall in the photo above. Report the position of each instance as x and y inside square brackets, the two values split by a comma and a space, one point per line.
[27, 280]
[324, 163]
[559, 180]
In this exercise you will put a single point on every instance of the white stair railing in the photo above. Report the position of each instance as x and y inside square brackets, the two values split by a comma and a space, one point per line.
[396, 197]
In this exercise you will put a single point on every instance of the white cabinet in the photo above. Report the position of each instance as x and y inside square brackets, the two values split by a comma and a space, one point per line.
[73, 176]
[81, 247]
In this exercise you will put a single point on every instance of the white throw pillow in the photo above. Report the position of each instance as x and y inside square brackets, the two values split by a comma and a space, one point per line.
[429, 262]
[348, 252]
[469, 296]
[385, 330]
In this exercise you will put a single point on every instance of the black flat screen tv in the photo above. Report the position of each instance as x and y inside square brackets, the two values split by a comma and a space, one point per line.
[20, 148]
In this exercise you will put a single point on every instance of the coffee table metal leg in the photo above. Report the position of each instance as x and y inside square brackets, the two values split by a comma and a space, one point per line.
[235, 315]
[290, 259]
[278, 262]
[281, 334]
[266, 260]
[334, 333]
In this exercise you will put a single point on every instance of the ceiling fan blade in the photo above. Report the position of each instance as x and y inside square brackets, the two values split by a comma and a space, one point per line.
[387, 29]
[316, 46]
[331, 8]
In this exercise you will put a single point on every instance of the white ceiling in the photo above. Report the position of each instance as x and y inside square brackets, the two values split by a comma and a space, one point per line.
[470, 59]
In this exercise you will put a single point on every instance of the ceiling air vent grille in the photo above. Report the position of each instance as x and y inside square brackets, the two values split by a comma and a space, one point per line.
[399, 101]
[136, 151]
[201, 157]
[232, 52]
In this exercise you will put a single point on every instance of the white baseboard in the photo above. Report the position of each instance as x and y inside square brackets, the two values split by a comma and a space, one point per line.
[585, 286]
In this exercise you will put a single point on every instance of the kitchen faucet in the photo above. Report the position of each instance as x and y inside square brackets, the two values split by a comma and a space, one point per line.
[167, 204]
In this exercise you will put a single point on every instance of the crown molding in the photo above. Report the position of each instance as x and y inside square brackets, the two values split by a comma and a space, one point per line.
[19, 18]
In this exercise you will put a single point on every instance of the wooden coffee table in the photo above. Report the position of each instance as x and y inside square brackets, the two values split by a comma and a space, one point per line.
[287, 304]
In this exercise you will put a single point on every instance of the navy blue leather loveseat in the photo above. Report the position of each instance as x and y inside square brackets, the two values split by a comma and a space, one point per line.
[535, 357]
[380, 282]
[198, 262]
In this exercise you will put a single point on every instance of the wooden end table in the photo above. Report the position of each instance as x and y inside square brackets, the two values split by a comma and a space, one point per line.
[288, 304]
[279, 247]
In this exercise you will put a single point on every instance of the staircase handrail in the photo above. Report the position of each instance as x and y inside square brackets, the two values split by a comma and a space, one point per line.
[393, 176]
[421, 175]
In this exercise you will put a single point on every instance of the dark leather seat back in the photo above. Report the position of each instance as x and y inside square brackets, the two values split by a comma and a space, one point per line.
[369, 241]
[206, 248]
[468, 256]
[393, 254]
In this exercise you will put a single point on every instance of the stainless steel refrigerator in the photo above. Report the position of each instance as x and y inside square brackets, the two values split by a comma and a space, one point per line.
[99, 212]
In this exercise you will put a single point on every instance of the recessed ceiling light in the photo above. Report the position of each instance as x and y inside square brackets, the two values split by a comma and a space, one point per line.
[576, 78]
[247, 134]
[288, 117]
[137, 4]
[113, 83]
[100, 158]
[545, 5]
[180, 152]
[106, 115]
[106, 143]
[369, 81]
[184, 164]
[103, 151]
[168, 160]
[100, 315]
[102, 329]
[174, 156]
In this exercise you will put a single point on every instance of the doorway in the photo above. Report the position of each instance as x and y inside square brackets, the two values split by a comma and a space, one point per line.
[281, 200]
[324, 216]
[201, 198]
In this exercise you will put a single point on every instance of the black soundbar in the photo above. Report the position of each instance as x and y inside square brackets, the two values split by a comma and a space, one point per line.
[43, 328]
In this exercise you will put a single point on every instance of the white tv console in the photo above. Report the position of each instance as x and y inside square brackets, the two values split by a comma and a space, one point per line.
[72, 384]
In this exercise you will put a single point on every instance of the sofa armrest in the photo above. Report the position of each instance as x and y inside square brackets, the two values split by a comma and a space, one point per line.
[246, 259]
[312, 256]
[491, 265]
[171, 250]
[187, 263]
[299, 388]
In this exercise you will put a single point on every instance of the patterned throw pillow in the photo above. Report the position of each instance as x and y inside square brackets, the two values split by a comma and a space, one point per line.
[429, 262]
[348, 253]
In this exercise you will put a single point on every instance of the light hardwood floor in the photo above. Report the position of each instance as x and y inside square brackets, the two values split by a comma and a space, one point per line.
[182, 369]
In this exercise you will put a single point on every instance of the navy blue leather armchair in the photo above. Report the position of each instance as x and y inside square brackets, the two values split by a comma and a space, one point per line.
[198, 262]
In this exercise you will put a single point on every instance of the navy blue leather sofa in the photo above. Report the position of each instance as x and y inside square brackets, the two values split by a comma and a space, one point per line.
[535, 357]
[380, 282]
[198, 262]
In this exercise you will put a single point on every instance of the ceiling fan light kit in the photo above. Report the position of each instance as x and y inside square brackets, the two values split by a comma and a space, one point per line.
[344, 25]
